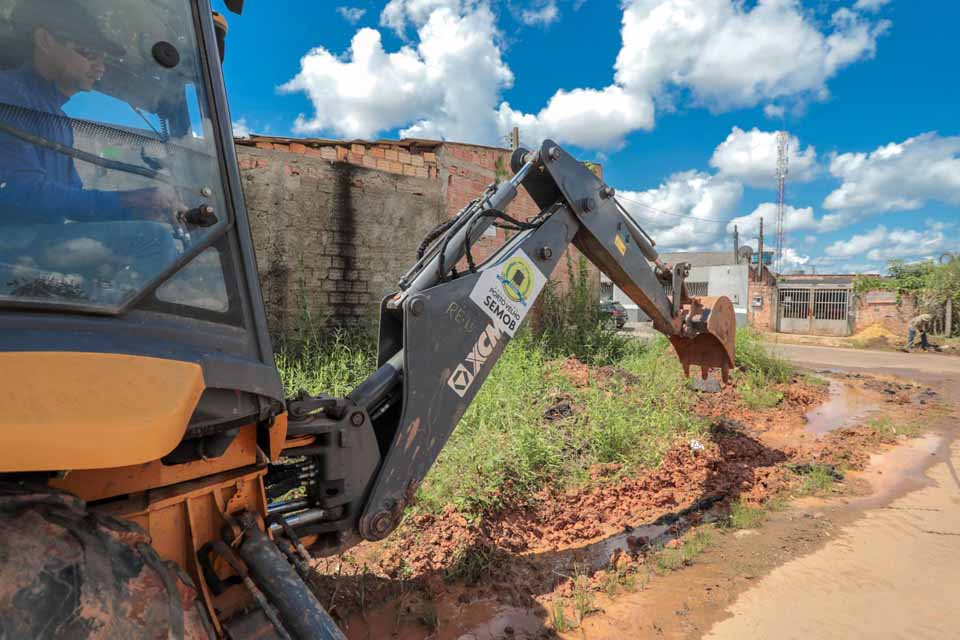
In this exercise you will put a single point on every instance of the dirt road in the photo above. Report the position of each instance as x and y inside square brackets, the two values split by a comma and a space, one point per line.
[926, 366]
[893, 572]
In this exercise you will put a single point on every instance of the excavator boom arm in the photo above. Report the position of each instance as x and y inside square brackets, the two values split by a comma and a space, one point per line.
[443, 331]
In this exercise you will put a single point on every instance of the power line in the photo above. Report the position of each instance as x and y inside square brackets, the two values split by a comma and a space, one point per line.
[669, 213]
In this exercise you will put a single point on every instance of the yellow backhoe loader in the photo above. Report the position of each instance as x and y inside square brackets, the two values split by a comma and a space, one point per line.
[148, 451]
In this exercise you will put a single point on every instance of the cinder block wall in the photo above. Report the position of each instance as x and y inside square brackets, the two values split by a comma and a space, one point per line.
[337, 223]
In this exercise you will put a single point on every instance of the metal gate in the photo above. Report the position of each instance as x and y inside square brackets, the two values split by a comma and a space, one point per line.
[817, 310]
[794, 310]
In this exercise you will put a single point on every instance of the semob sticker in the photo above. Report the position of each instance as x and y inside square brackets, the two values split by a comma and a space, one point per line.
[507, 290]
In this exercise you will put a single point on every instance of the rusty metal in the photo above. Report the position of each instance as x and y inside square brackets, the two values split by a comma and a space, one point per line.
[709, 337]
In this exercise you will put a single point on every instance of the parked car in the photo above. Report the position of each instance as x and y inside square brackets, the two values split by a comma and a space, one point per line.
[615, 312]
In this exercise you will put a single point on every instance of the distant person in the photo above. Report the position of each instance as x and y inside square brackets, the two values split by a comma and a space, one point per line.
[64, 52]
[918, 325]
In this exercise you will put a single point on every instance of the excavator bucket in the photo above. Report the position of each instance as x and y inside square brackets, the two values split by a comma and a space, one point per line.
[713, 347]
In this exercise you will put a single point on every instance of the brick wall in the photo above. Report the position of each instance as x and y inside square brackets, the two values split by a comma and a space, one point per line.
[332, 238]
[466, 170]
[375, 201]
[893, 315]
[761, 318]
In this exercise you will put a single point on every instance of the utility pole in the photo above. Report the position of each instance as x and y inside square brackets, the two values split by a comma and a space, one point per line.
[736, 245]
[783, 141]
[515, 138]
[760, 254]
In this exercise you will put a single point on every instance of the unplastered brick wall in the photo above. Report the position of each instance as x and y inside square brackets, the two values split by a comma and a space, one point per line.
[884, 308]
[761, 316]
[412, 184]
[466, 170]
[332, 238]
[416, 160]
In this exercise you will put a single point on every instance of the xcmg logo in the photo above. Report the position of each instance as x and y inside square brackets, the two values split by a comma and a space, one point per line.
[468, 370]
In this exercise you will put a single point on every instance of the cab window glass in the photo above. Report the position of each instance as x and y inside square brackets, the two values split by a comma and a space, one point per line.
[108, 174]
[199, 284]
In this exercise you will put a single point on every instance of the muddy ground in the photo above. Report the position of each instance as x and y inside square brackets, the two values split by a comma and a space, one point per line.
[657, 548]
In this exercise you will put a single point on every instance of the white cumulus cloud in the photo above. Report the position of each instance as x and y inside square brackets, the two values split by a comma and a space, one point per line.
[353, 15]
[751, 156]
[730, 56]
[794, 219]
[870, 5]
[448, 81]
[686, 212]
[593, 118]
[437, 88]
[880, 244]
[896, 177]
[241, 129]
[774, 111]
[545, 14]
[792, 260]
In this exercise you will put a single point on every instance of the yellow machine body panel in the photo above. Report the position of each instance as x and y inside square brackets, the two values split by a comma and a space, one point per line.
[67, 410]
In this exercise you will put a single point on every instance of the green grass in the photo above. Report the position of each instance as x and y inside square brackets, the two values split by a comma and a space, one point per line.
[743, 516]
[558, 617]
[619, 579]
[754, 358]
[692, 545]
[757, 392]
[469, 565]
[503, 451]
[814, 380]
[582, 599]
[759, 370]
[332, 363]
[816, 479]
[890, 430]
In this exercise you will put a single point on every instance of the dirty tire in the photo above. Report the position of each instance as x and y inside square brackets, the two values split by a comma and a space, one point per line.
[66, 572]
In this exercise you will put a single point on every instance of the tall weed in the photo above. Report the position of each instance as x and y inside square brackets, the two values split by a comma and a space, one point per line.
[756, 359]
[568, 320]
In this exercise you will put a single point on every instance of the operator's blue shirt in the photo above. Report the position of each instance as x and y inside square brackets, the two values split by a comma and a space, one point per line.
[39, 185]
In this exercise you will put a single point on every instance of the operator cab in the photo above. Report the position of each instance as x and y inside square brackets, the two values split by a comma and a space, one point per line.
[122, 225]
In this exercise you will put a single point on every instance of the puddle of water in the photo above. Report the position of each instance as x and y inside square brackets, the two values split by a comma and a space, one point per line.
[453, 620]
[898, 471]
[491, 623]
[846, 407]
[599, 553]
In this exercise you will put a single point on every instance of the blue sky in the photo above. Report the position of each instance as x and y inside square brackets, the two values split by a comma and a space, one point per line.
[678, 99]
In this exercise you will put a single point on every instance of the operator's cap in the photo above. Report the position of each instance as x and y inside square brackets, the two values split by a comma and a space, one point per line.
[65, 20]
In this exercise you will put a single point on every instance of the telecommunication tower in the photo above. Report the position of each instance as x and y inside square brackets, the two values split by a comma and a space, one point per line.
[783, 142]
